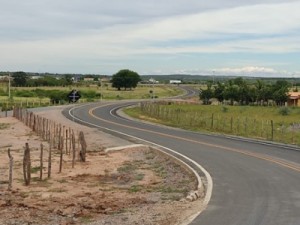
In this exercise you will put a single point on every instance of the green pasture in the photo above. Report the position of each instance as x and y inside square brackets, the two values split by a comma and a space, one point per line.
[268, 123]
[140, 92]
[39, 96]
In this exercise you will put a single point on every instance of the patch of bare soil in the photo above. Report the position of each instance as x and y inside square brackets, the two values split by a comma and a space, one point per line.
[132, 186]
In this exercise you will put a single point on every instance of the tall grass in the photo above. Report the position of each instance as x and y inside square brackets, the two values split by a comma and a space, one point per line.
[269, 123]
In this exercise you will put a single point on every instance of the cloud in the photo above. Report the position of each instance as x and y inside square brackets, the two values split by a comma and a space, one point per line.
[254, 71]
[78, 34]
[249, 70]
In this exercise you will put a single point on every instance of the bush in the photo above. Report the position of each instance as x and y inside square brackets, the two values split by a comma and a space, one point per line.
[3, 93]
[25, 93]
[224, 109]
[57, 96]
[284, 111]
[90, 94]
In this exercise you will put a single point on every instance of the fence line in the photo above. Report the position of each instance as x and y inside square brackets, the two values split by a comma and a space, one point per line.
[54, 133]
[59, 137]
[217, 122]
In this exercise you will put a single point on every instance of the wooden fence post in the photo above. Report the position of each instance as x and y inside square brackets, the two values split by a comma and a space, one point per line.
[74, 151]
[11, 163]
[70, 140]
[66, 141]
[27, 165]
[272, 130]
[49, 160]
[82, 152]
[245, 126]
[61, 153]
[41, 163]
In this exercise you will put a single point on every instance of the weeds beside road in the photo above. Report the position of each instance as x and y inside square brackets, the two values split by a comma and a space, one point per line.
[267, 123]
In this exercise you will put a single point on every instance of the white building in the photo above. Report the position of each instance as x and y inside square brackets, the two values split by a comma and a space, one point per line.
[175, 81]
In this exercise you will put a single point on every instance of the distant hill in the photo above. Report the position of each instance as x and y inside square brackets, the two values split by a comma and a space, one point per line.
[198, 79]
[185, 78]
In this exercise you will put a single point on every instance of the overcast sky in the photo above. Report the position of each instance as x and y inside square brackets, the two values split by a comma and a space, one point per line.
[239, 37]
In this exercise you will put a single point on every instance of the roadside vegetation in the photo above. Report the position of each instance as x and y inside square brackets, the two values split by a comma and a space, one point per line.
[49, 90]
[240, 92]
[44, 96]
[280, 124]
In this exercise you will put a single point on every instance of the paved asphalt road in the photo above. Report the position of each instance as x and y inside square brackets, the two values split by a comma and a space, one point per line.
[253, 183]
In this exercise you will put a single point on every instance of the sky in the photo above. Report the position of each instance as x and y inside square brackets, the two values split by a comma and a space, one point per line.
[215, 37]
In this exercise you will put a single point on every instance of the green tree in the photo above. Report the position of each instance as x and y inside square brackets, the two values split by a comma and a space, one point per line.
[20, 78]
[262, 92]
[231, 92]
[125, 79]
[68, 79]
[244, 92]
[206, 94]
[280, 92]
[219, 91]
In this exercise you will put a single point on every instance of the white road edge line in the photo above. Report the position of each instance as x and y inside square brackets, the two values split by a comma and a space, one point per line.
[209, 189]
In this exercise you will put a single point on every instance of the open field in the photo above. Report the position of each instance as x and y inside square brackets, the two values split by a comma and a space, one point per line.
[268, 123]
[89, 93]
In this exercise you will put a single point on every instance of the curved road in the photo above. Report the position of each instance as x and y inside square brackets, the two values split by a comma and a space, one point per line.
[253, 183]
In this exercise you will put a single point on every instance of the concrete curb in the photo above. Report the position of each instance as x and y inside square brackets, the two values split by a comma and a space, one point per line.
[194, 194]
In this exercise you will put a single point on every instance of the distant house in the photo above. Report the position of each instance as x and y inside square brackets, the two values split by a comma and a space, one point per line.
[294, 99]
[88, 79]
[35, 77]
[105, 79]
[175, 81]
[4, 78]
[153, 81]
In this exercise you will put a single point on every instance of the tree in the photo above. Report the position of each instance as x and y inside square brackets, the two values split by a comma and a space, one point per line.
[244, 91]
[231, 92]
[206, 94]
[125, 79]
[20, 78]
[262, 92]
[219, 91]
[68, 79]
[280, 92]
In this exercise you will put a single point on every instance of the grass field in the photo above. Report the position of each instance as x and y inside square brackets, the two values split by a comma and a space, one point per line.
[269, 123]
[107, 92]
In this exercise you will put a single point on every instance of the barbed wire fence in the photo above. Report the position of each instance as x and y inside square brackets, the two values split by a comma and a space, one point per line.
[62, 139]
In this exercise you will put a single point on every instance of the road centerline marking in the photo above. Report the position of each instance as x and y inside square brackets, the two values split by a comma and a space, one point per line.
[280, 162]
